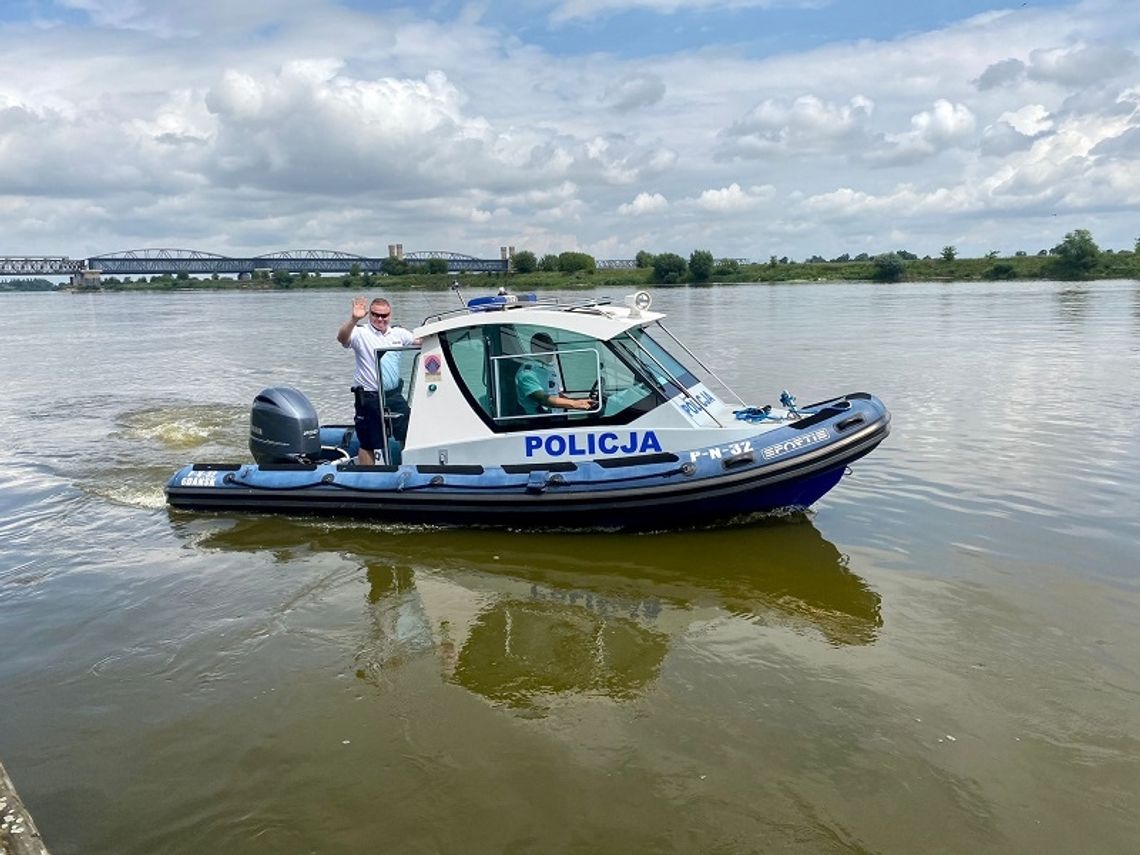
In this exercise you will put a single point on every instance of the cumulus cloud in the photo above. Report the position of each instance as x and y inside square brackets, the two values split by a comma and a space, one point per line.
[1074, 165]
[543, 198]
[310, 127]
[946, 122]
[313, 91]
[38, 145]
[945, 125]
[807, 124]
[1125, 146]
[732, 199]
[1001, 73]
[633, 92]
[907, 200]
[1001, 139]
[311, 130]
[453, 131]
[1032, 119]
[1106, 101]
[618, 159]
[1016, 130]
[644, 203]
[1072, 65]
[1080, 66]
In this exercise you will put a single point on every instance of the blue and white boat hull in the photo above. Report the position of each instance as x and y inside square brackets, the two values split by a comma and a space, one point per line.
[790, 466]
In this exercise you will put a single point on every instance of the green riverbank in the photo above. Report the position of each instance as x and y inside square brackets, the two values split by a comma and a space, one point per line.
[1122, 265]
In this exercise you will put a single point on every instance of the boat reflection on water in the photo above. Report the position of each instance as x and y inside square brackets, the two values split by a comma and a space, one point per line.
[521, 618]
[521, 650]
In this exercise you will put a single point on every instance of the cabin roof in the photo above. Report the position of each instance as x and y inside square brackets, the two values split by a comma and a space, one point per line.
[601, 321]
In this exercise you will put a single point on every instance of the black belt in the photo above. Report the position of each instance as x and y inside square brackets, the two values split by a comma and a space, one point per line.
[360, 392]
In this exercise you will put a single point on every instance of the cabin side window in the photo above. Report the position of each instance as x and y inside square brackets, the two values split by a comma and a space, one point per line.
[535, 364]
[501, 366]
[466, 350]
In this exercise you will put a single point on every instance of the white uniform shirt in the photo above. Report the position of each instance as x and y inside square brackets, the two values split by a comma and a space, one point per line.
[364, 341]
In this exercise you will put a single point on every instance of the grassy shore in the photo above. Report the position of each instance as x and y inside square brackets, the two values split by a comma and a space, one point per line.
[1121, 265]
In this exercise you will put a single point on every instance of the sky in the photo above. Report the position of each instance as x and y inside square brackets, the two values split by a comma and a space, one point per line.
[748, 128]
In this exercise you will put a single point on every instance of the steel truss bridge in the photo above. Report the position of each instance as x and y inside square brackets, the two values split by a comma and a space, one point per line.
[146, 262]
[40, 265]
[155, 262]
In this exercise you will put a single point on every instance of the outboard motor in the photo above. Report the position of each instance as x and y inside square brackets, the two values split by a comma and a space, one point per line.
[283, 427]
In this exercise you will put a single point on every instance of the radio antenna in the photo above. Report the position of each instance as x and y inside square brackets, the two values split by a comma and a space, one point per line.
[455, 288]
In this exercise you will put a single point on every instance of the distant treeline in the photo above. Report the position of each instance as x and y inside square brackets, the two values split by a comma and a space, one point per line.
[27, 285]
[1075, 257]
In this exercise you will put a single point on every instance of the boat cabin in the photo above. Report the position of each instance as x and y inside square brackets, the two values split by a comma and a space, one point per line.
[480, 383]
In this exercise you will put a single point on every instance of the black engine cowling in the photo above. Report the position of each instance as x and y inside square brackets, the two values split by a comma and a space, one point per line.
[283, 427]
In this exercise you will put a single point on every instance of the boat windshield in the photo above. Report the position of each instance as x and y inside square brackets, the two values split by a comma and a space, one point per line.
[649, 356]
[508, 372]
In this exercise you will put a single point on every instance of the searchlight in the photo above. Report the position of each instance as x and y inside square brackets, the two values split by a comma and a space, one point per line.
[638, 302]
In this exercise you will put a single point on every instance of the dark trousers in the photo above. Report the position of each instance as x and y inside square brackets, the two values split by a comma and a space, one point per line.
[367, 418]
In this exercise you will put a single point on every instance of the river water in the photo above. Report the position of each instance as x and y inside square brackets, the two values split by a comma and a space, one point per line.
[942, 656]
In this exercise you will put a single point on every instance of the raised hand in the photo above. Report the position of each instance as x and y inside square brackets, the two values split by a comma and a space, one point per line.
[359, 308]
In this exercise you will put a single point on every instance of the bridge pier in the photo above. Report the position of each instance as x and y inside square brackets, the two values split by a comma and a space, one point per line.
[87, 279]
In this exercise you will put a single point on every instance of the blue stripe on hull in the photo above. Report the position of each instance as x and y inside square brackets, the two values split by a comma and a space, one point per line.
[646, 493]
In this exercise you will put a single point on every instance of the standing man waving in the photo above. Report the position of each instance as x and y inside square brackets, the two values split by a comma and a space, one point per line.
[364, 339]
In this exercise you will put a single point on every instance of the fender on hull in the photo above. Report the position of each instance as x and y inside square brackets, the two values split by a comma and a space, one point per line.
[658, 494]
[568, 512]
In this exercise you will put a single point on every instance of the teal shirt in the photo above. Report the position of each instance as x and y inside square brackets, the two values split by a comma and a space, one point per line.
[534, 383]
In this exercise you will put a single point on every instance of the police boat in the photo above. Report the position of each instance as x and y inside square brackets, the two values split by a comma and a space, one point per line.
[527, 412]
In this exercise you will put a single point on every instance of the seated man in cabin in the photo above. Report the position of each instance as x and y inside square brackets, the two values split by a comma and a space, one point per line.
[538, 384]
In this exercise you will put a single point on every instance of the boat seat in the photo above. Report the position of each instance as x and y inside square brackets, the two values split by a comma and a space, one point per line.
[509, 404]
